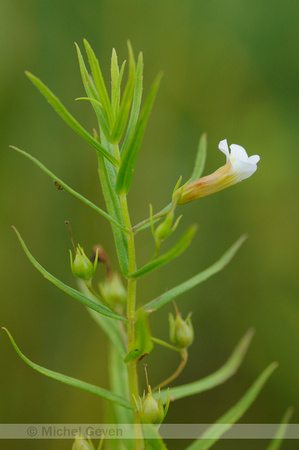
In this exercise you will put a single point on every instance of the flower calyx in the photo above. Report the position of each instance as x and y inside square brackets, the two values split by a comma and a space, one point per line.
[180, 330]
[150, 409]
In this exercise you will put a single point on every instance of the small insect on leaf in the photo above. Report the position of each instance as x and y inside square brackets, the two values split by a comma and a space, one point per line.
[59, 187]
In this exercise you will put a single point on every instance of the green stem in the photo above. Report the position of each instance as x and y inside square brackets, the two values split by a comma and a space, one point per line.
[131, 307]
[184, 356]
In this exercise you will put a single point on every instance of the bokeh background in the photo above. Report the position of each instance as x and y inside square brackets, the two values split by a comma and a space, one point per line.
[231, 70]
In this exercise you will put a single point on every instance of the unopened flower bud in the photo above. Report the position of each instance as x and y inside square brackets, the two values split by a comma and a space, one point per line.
[152, 410]
[181, 331]
[82, 267]
[113, 291]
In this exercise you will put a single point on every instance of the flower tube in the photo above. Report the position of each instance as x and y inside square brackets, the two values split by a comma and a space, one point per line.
[238, 167]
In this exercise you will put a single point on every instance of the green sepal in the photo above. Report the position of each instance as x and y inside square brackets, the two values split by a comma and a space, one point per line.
[67, 289]
[69, 189]
[215, 379]
[123, 114]
[276, 442]
[215, 431]
[143, 342]
[200, 158]
[99, 82]
[69, 119]
[176, 250]
[130, 152]
[194, 281]
[72, 381]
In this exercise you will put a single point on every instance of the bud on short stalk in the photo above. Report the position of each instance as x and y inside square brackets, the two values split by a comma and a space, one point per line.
[151, 410]
[181, 331]
[82, 267]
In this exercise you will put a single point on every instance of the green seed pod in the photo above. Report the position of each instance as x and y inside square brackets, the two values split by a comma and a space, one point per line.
[113, 291]
[82, 267]
[181, 331]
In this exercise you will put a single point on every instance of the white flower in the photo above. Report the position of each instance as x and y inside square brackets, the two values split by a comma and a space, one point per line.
[238, 167]
[240, 164]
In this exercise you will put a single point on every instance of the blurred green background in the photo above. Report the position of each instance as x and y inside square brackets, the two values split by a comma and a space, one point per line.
[231, 70]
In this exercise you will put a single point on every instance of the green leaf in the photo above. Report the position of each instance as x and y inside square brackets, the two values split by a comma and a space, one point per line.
[72, 381]
[69, 189]
[275, 444]
[215, 379]
[153, 440]
[113, 207]
[143, 343]
[232, 415]
[194, 281]
[69, 119]
[122, 117]
[200, 158]
[179, 247]
[136, 101]
[67, 289]
[94, 95]
[110, 327]
[119, 384]
[99, 81]
[114, 77]
[116, 94]
[130, 152]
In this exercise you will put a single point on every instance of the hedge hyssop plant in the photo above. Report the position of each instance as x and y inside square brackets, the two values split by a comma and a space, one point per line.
[114, 307]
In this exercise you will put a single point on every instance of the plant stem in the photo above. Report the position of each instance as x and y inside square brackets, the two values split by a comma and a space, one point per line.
[184, 356]
[131, 306]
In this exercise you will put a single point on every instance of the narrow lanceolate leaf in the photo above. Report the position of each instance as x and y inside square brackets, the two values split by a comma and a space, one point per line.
[72, 381]
[67, 289]
[215, 379]
[119, 384]
[214, 432]
[99, 81]
[277, 441]
[69, 119]
[116, 94]
[114, 75]
[130, 152]
[200, 158]
[179, 247]
[123, 114]
[136, 101]
[194, 281]
[113, 207]
[69, 189]
[93, 94]
[110, 327]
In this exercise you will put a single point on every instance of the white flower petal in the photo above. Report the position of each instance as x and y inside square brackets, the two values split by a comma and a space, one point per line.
[243, 169]
[224, 147]
[238, 152]
[254, 159]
